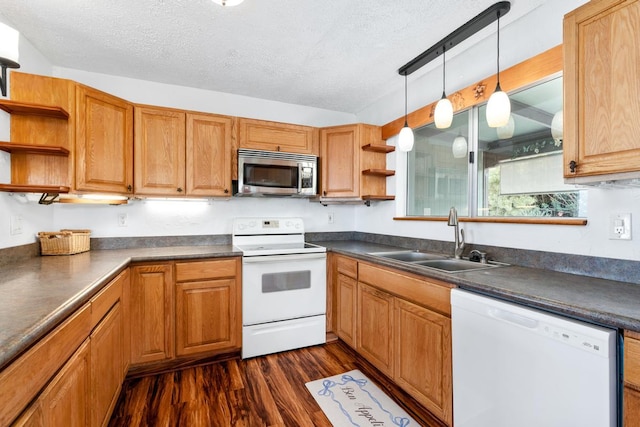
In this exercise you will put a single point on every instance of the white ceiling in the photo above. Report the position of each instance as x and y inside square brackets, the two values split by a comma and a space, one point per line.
[340, 55]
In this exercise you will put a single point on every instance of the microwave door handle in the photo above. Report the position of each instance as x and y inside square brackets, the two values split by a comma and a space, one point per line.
[299, 178]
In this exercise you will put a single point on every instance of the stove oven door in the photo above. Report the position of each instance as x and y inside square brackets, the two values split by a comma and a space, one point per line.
[282, 287]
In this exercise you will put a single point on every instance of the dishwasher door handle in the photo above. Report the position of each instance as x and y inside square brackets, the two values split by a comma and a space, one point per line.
[514, 318]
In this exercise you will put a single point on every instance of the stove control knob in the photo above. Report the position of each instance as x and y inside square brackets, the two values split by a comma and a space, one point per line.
[288, 224]
[297, 225]
[241, 226]
[252, 224]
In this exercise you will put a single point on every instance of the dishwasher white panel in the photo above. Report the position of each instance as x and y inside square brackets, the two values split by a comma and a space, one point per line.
[514, 366]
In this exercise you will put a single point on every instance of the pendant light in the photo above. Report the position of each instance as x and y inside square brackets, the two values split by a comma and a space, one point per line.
[443, 115]
[557, 127]
[506, 131]
[405, 139]
[459, 147]
[499, 106]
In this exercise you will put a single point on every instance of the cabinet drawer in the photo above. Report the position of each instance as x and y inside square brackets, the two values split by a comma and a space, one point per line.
[632, 359]
[425, 292]
[210, 269]
[347, 266]
[106, 298]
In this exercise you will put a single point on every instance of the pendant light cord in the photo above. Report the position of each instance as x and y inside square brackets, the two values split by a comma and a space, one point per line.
[498, 55]
[444, 64]
[405, 101]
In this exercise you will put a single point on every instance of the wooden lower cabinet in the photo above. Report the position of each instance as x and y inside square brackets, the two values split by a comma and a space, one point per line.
[151, 314]
[374, 336]
[65, 401]
[345, 277]
[631, 395]
[423, 356]
[107, 362]
[208, 305]
[402, 327]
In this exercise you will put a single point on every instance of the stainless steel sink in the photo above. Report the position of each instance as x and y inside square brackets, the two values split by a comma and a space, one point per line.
[452, 265]
[408, 256]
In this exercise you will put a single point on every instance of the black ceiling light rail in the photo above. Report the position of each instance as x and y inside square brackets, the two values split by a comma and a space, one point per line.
[458, 36]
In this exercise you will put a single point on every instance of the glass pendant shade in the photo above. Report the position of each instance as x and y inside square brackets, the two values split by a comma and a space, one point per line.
[506, 131]
[9, 40]
[443, 115]
[557, 126]
[459, 147]
[405, 139]
[498, 109]
[228, 2]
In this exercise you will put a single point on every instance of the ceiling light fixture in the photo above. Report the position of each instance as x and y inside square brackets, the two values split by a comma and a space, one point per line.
[499, 106]
[405, 139]
[443, 115]
[228, 2]
[9, 39]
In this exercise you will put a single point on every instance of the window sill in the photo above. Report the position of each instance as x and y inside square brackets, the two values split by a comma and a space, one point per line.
[502, 220]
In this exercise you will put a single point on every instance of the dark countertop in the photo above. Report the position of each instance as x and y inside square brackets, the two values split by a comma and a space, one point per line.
[607, 302]
[38, 294]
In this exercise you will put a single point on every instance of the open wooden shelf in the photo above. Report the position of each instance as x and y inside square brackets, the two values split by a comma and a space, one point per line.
[378, 172]
[14, 107]
[11, 147]
[379, 148]
[379, 198]
[22, 188]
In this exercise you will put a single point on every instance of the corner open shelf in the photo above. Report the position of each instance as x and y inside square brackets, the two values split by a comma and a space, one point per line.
[21, 188]
[25, 108]
[11, 147]
[379, 148]
[378, 172]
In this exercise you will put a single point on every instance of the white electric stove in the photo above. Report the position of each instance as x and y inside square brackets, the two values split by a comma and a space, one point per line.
[283, 286]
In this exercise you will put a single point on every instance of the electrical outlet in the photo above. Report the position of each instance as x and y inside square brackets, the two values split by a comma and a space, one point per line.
[16, 225]
[123, 220]
[330, 218]
[620, 226]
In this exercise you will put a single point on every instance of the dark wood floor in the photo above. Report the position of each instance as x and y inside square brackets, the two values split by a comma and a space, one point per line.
[262, 391]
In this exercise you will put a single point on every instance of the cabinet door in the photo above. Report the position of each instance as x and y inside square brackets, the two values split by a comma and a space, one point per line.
[631, 407]
[601, 68]
[31, 417]
[423, 357]
[159, 154]
[274, 136]
[340, 159]
[104, 142]
[208, 146]
[346, 298]
[206, 315]
[151, 313]
[65, 401]
[375, 327]
[107, 373]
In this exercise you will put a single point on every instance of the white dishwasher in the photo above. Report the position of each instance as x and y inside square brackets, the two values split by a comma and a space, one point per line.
[515, 366]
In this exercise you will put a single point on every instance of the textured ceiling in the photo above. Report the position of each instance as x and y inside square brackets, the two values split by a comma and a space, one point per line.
[340, 55]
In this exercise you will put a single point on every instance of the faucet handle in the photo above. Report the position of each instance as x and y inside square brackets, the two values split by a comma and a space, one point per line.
[476, 255]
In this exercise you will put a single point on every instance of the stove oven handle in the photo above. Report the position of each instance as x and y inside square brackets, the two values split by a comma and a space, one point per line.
[289, 257]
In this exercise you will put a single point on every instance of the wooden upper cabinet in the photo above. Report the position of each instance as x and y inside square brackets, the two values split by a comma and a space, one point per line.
[340, 160]
[274, 136]
[208, 154]
[104, 142]
[159, 151]
[353, 162]
[602, 89]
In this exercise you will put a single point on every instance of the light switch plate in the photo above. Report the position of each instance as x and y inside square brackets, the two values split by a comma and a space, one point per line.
[620, 226]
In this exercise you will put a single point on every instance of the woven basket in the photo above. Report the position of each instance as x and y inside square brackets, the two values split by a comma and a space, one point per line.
[64, 242]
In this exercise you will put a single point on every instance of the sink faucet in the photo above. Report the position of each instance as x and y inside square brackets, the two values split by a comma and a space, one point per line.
[459, 244]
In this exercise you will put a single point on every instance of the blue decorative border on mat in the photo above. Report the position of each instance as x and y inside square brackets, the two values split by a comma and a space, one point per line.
[361, 383]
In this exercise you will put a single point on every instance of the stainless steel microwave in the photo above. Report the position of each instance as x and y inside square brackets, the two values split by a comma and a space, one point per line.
[276, 173]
